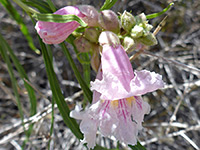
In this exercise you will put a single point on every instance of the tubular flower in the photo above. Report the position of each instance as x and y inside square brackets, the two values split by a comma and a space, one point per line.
[117, 108]
[55, 33]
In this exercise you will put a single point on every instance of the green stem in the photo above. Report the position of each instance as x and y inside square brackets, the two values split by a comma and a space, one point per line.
[82, 83]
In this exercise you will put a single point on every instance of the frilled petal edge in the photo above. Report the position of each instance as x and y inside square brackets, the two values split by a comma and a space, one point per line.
[111, 88]
[144, 82]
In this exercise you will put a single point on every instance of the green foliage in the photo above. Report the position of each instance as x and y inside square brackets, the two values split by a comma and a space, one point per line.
[137, 147]
[5, 48]
[57, 94]
[154, 15]
[108, 4]
[59, 18]
[5, 56]
[16, 16]
[41, 5]
[84, 86]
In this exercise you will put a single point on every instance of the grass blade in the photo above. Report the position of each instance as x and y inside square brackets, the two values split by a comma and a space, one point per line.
[57, 94]
[6, 58]
[16, 16]
[41, 5]
[108, 4]
[22, 74]
[154, 15]
[51, 5]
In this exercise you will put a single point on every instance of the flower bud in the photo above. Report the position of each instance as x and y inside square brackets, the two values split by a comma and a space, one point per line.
[109, 21]
[92, 15]
[128, 44]
[148, 40]
[141, 18]
[127, 21]
[92, 34]
[82, 44]
[148, 27]
[95, 60]
[55, 33]
[109, 38]
[137, 31]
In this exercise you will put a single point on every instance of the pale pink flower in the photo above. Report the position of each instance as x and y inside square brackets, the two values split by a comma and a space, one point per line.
[117, 108]
[55, 33]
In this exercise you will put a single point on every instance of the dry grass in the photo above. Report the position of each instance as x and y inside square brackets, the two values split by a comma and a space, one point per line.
[173, 122]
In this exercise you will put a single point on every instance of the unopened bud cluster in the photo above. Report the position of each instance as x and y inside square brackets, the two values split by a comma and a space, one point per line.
[103, 28]
[134, 30]
[137, 31]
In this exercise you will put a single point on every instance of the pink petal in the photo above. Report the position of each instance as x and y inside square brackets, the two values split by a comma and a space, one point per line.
[139, 109]
[55, 33]
[117, 73]
[96, 95]
[145, 81]
[118, 80]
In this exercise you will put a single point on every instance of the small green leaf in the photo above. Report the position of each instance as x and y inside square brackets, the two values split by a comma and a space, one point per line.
[108, 4]
[154, 15]
[137, 147]
[59, 18]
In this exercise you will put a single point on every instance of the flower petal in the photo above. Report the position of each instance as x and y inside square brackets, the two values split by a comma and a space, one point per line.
[117, 74]
[145, 81]
[55, 33]
[139, 109]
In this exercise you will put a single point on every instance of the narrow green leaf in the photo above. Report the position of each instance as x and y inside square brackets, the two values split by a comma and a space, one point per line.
[6, 58]
[57, 94]
[154, 15]
[23, 75]
[42, 6]
[16, 16]
[51, 5]
[86, 74]
[108, 4]
[82, 83]
[137, 147]
[25, 7]
[59, 18]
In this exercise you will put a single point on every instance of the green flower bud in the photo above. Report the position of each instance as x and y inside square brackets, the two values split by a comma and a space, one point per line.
[141, 18]
[137, 31]
[128, 44]
[127, 21]
[148, 40]
[83, 45]
[109, 21]
[92, 34]
[148, 27]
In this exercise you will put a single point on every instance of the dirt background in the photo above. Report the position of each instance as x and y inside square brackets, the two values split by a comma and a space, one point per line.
[173, 123]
